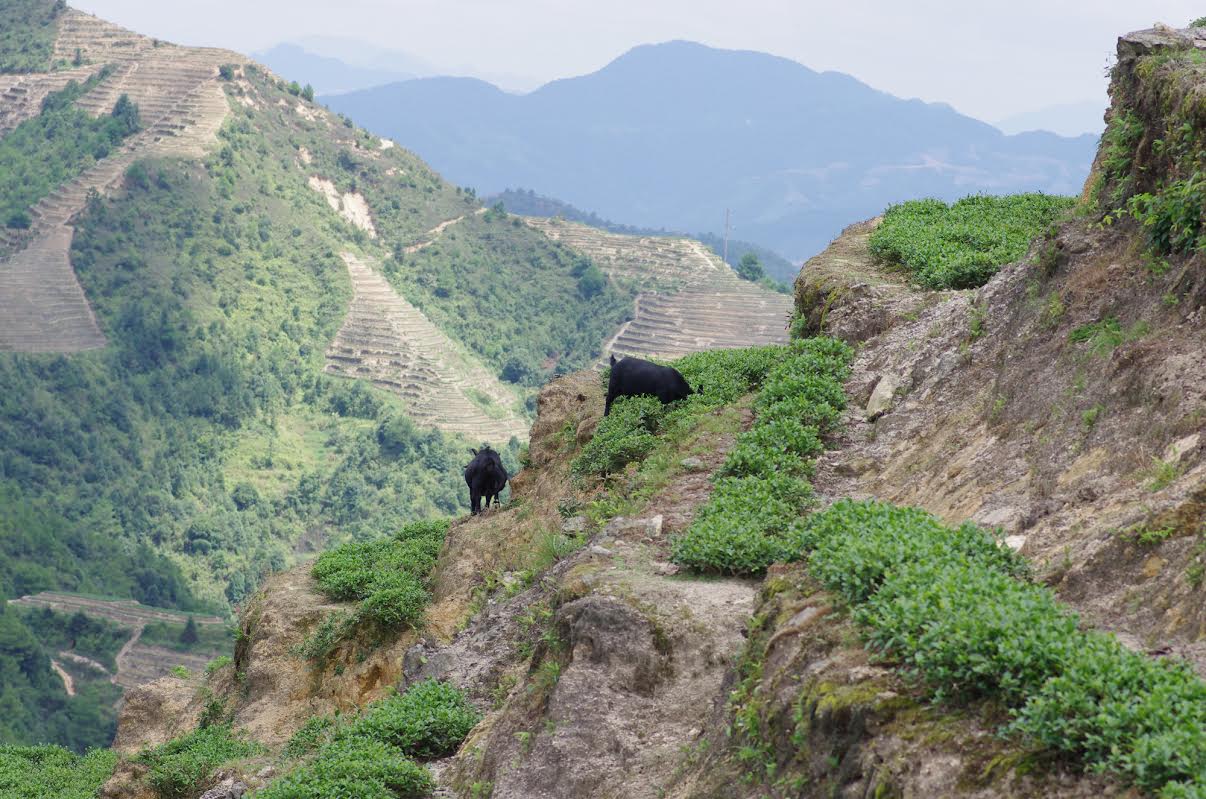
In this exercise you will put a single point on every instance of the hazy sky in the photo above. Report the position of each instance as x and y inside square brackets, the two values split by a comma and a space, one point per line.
[987, 58]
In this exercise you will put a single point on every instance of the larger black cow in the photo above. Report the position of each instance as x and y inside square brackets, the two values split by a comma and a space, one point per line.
[486, 477]
[632, 377]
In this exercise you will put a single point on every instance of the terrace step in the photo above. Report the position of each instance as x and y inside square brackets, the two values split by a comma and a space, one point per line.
[390, 343]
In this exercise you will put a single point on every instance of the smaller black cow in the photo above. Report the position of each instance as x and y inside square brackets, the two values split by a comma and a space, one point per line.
[632, 377]
[485, 477]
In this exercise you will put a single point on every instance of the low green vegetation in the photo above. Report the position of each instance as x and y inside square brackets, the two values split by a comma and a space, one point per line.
[372, 756]
[27, 38]
[178, 766]
[948, 604]
[428, 721]
[630, 431]
[962, 245]
[1106, 335]
[1172, 215]
[46, 151]
[388, 577]
[762, 487]
[52, 772]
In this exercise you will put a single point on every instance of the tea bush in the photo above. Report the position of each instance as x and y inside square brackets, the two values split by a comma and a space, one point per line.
[371, 756]
[52, 772]
[963, 245]
[947, 603]
[359, 768]
[177, 766]
[762, 485]
[388, 575]
[626, 434]
[429, 720]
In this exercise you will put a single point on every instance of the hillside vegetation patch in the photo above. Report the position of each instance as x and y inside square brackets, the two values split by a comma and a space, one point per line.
[762, 487]
[177, 767]
[46, 151]
[27, 37]
[962, 245]
[372, 756]
[953, 608]
[388, 576]
[52, 772]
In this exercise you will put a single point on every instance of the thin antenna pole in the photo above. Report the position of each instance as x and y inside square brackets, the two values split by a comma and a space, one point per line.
[726, 236]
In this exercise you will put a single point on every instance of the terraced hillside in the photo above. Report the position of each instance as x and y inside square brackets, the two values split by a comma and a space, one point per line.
[688, 299]
[182, 106]
[388, 341]
[138, 662]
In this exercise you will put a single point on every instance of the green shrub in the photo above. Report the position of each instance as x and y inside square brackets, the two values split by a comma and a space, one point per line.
[745, 526]
[888, 537]
[751, 517]
[177, 767]
[400, 606]
[1172, 215]
[317, 731]
[356, 768]
[52, 772]
[967, 629]
[388, 576]
[626, 434]
[370, 756]
[963, 245]
[1124, 712]
[429, 720]
[947, 604]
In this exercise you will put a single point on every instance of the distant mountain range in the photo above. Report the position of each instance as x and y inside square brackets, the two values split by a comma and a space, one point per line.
[527, 203]
[1067, 119]
[669, 135]
[327, 75]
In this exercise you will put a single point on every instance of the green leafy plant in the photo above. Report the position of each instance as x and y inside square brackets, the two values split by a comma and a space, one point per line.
[388, 576]
[52, 772]
[429, 720]
[358, 767]
[317, 731]
[370, 756]
[762, 488]
[964, 244]
[177, 766]
[954, 609]
[626, 434]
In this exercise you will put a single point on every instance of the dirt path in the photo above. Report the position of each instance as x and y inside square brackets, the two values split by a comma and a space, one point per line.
[433, 235]
[85, 661]
[68, 683]
[123, 655]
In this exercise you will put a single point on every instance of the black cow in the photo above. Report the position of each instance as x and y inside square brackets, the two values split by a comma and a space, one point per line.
[632, 377]
[485, 477]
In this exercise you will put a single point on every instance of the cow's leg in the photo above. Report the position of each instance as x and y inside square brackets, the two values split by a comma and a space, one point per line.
[607, 404]
[475, 500]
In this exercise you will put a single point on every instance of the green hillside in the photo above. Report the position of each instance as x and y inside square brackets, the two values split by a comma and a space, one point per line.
[27, 38]
[205, 445]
